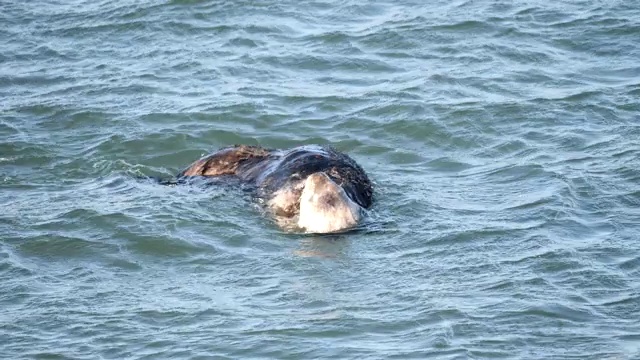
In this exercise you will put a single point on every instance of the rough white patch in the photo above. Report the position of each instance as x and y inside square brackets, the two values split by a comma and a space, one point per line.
[318, 217]
[282, 200]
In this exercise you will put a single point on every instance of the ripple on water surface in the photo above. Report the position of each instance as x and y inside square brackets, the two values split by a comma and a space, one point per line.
[501, 137]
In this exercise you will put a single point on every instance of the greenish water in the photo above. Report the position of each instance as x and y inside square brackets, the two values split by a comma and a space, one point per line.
[503, 139]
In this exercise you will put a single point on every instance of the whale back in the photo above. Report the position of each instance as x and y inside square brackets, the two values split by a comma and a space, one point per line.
[292, 167]
[280, 174]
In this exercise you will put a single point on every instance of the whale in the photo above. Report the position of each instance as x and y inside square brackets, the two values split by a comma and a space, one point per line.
[312, 188]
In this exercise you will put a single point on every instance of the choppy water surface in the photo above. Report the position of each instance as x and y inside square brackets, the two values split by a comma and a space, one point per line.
[503, 139]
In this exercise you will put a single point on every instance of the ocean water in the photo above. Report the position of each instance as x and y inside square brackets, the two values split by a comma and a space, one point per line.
[503, 139]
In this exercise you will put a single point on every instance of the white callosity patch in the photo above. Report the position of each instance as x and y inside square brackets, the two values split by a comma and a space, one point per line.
[325, 207]
[284, 201]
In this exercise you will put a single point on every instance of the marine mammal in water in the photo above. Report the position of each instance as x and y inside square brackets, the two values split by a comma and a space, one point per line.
[313, 187]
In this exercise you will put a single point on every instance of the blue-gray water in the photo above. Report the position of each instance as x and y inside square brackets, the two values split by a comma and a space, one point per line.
[503, 138]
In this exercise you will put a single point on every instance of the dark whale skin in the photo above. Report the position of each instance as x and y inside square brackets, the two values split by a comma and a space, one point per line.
[272, 170]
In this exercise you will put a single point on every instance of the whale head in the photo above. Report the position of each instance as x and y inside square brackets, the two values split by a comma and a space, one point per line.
[325, 207]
